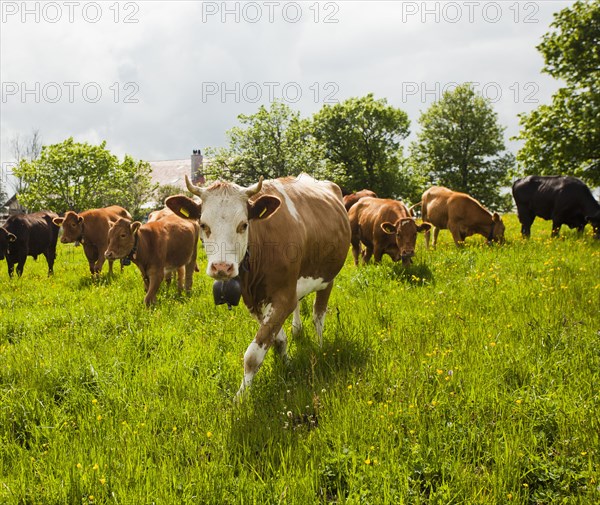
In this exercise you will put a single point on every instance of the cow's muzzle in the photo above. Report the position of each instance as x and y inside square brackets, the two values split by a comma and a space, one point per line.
[222, 270]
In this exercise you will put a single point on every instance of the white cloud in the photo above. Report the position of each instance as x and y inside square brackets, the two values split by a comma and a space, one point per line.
[178, 52]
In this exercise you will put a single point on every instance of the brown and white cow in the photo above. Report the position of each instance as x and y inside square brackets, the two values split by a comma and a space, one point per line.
[90, 228]
[384, 227]
[352, 198]
[461, 214]
[157, 248]
[284, 238]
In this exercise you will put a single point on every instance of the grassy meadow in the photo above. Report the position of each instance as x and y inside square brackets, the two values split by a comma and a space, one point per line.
[473, 377]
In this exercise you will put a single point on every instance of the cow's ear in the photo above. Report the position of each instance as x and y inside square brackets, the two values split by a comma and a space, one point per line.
[423, 227]
[11, 237]
[495, 217]
[135, 226]
[264, 207]
[58, 221]
[388, 228]
[184, 207]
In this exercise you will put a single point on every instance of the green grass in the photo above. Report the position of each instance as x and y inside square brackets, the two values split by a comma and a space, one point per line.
[472, 377]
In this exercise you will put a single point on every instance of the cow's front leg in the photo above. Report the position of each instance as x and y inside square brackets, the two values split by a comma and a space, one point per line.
[355, 249]
[100, 263]
[268, 334]
[21, 265]
[436, 232]
[459, 240]
[155, 279]
[180, 278]
[50, 257]
[366, 254]
[11, 266]
[320, 309]
[555, 228]
[297, 321]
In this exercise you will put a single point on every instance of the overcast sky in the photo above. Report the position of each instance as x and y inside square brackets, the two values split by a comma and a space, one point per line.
[157, 79]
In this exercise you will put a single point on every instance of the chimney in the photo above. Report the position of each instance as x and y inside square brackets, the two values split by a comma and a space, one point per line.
[197, 167]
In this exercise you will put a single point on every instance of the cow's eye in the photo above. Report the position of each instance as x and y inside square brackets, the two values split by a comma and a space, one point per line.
[242, 227]
[123, 235]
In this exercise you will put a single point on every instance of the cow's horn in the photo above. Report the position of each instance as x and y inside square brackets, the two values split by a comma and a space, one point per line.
[255, 188]
[196, 190]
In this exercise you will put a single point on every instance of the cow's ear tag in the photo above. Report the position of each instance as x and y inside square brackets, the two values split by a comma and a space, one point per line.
[262, 213]
[183, 211]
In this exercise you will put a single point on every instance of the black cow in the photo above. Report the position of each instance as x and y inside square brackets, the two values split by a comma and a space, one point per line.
[28, 235]
[565, 200]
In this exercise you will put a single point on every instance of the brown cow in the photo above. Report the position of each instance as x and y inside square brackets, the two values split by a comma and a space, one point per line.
[384, 227]
[461, 214]
[284, 239]
[157, 248]
[157, 215]
[90, 228]
[351, 199]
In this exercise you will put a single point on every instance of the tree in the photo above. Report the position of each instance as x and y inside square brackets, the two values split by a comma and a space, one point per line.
[28, 148]
[361, 139]
[133, 178]
[461, 146]
[79, 176]
[564, 136]
[272, 142]
[164, 191]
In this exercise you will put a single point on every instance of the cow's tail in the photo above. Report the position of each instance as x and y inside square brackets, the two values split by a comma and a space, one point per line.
[410, 209]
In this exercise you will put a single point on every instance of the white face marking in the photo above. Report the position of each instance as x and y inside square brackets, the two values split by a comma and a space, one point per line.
[306, 285]
[224, 242]
[288, 201]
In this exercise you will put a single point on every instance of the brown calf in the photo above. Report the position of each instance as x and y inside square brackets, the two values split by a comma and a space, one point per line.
[156, 248]
[90, 228]
[384, 227]
[157, 215]
[351, 199]
[461, 214]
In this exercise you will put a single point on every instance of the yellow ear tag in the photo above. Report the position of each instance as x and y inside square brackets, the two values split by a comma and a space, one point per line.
[262, 213]
[184, 212]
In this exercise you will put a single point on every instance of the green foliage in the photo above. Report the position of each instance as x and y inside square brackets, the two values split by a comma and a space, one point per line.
[79, 176]
[564, 136]
[361, 142]
[461, 146]
[133, 178]
[273, 143]
[163, 192]
[469, 378]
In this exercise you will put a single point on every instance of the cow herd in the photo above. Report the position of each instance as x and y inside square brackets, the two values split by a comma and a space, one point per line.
[277, 241]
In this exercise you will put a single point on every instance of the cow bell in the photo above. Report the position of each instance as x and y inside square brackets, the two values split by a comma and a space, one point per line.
[228, 292]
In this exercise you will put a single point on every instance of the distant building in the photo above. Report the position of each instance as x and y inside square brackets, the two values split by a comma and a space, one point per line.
[10, 208]
[173, 172]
